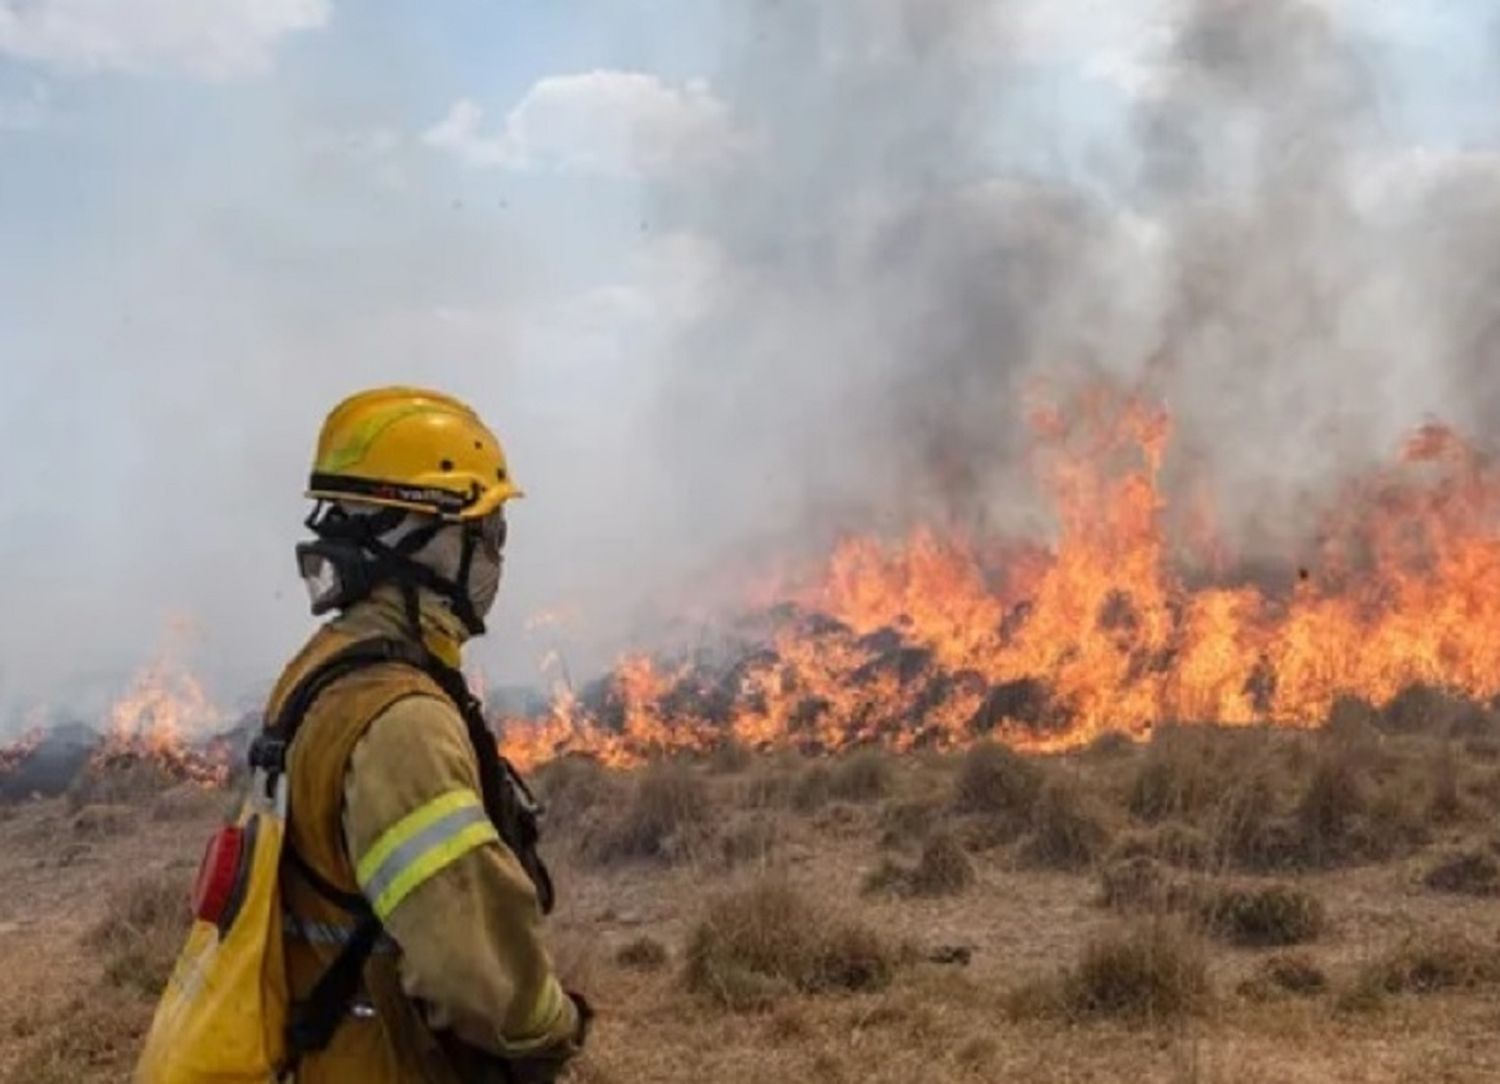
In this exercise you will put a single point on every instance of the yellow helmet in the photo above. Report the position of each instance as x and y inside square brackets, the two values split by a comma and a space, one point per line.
[409, 448]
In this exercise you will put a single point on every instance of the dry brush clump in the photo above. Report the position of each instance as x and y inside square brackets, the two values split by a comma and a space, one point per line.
[668, 817]
[996, 780]
[1068, 829]
[864, 776]
[908, 822]
[1271, 916]
[1428, 963]
[95, 1037]
[1473, 871]
[643, 954]
[141, 935]
[944, 869]
[1286, 974]
[134, 783]
[1152, 971]
[1138, 883]
[766, 941]
[572, 789]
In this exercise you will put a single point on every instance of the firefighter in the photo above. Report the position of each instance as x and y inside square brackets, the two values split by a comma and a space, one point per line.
[397, 826]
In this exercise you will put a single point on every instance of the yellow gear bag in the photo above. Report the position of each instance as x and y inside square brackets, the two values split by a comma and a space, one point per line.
[223, 1016]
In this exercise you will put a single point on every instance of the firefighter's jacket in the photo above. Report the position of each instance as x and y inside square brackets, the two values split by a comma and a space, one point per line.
[385, 801]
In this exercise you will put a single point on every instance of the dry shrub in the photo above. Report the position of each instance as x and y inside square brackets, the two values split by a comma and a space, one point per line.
[1426, 964]
[1486, 749]
[904, 824]
[103, 821]
[1275, 915]
[730, 758]
[1174, 843]
[944, 868]
[132, 783]
[1329, 811]
[1285, 973]
[1179, 777]
[751, 840]
[813, 788]
[1110, 745]
[1445, 804]
[667, 818]
[769, 787]
[573, 787]
[187, 802]
[643, 954]
[1068, 832]
[1139, 883]
[769, 940]
[1152, 971]
[96, 1037]
[1353, 720]
[1422, 709]
[995, 779]
[887, 879]
[865, 776]
[1471, 872]
[144, 930]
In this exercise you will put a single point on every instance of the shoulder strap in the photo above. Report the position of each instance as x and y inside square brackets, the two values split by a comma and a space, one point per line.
[507, 800]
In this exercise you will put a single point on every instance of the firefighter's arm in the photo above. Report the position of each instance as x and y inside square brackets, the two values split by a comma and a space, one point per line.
[451, 895]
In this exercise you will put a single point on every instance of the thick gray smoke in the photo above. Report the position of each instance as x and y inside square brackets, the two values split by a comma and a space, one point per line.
[1247, 237]
[1275, 216]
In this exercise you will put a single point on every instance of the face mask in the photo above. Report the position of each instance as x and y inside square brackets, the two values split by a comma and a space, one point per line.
[487, 564]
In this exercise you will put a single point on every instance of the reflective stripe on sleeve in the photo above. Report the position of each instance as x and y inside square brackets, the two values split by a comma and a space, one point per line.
[420, 845]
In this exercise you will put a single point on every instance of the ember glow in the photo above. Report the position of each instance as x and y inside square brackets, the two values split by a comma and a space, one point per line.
[942, 638]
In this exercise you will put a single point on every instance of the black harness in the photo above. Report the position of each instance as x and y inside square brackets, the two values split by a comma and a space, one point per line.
[507, 800]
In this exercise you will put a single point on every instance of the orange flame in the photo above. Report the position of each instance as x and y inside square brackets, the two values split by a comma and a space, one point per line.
[944, 638]
[166, 718]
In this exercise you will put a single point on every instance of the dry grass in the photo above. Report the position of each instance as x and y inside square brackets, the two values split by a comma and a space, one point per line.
[865, 776]
[994, 779]
[1291, 973]
[1273, 916]
[944, 869]
[643, 954]
[667, 819]
[977, 900]
[1068, 829]
[139, 939]
[92, 1038]
[1426, 964]
[138, 783]
[1152, 971]
[769, 940]
[1471, 872]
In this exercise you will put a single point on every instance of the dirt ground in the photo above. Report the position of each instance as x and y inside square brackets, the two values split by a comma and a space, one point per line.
[642, 859]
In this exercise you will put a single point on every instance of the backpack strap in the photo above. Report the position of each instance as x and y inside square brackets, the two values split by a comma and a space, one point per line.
[507, 800]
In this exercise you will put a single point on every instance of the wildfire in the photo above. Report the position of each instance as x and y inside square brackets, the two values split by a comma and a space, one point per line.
[13, 755]
[941, 639]
[165, 718]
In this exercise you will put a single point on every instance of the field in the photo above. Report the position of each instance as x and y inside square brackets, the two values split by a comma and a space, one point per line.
[1215, 905]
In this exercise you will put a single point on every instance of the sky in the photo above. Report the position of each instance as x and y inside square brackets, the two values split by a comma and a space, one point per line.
[727, 277]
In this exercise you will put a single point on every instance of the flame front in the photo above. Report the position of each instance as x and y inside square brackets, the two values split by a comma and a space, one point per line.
[165, 718]
[943, 638]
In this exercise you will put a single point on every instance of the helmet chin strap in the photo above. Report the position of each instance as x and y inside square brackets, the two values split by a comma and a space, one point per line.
[397, 563]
